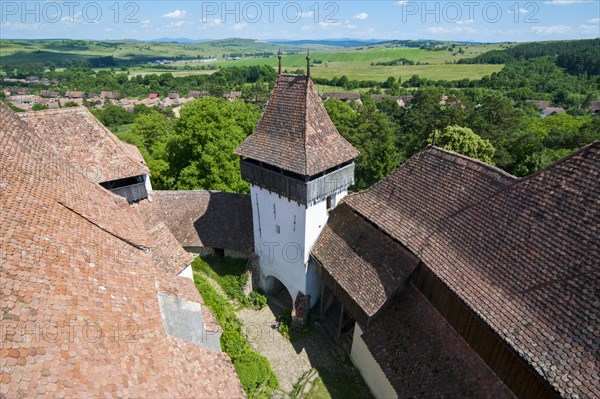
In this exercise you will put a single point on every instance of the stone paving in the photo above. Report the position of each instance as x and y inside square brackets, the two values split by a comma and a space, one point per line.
[289, 360]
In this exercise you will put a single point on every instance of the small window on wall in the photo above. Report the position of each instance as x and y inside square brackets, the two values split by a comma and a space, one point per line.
[330, 203]
[220, 252]
[277, 229]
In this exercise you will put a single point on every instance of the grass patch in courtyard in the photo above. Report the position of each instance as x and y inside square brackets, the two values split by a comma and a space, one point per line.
[231, 275]
[255, 372]
[336, 384]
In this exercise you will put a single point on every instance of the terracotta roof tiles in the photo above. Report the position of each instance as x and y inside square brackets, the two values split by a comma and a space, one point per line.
[295, 132]
[79, 308]
[89, 146]
[424, 357]
[366, 263]
[203, 218]
[521, 253]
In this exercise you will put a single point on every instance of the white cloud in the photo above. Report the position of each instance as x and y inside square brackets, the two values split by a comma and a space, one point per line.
[324, 24]
[239, 26]
[401, 2]
[177, 14]
[467, 22]
[566, 2]
[145, 23]
[210, 23]
[589, 29]
[593, 21]
[307, 14]
[552, 29]
[438, 30]
[361, 16]
[179, 24]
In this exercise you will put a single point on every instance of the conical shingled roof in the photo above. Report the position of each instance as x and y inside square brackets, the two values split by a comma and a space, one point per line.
[295, 132]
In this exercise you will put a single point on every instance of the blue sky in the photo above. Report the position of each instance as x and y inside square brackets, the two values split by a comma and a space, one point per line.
[469, 20]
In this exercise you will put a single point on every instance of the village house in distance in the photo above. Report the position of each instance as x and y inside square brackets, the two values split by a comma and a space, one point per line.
[463, 281]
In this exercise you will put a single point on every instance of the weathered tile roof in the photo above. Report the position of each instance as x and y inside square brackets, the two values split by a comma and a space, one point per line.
[527, 261]
[203, 218]
[369, 265]
[341, 95]
[549, 111]
[168, 255]
[422, 356]
[295, 132]
[79, 137]
[430, 186]
[74, 264]
[522, 254]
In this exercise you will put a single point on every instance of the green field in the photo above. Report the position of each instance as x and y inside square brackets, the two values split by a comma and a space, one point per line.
[328, 61]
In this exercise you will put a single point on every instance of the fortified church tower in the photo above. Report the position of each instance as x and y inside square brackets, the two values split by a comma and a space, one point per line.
[299, 167]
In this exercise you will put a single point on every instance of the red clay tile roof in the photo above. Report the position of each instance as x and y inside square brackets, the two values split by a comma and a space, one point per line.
[522, 254]
[366, 263]
[549, 111]
[79, 137]
[341, 95]
[527, 261]
[295, 132]
[168, 255]
[424, 357]
[86, 279]
[203, 218]
[430, 186]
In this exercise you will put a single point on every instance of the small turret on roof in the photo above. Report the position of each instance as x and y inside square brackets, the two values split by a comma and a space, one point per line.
[295, 132]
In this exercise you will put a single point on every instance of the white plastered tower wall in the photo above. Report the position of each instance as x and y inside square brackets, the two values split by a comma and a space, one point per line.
[299, 167]
[284, 233]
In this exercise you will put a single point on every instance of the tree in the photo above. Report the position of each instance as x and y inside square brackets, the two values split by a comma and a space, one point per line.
[151, 127]
[372, 133]
[465, 142]
[375, 139]
[113, 115]
[201, 150]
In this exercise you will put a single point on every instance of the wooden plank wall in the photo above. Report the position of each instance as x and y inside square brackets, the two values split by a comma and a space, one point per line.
[518, 376]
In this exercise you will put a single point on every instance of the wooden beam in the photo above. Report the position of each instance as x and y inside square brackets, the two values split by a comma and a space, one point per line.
[322, 298]
[340, 323]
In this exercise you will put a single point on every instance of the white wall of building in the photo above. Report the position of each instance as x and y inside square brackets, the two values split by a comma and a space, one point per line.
[284, 234]
[147, 182]
[369, 368]
[187, 272]
[279, 239]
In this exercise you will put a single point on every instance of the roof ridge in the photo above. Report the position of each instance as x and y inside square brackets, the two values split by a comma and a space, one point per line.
[305, 138]
[473, 160]
[553, 165]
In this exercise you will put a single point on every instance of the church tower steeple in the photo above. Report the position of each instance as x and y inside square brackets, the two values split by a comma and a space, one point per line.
[299, 167]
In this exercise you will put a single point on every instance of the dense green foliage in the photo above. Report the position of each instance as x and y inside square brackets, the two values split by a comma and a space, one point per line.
[254, 370]
[576, 56]
[524, 142]
[196, 151]
[464, 141]
[372, 133]
[231, 274]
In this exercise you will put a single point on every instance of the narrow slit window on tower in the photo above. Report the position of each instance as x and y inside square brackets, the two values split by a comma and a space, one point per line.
[330, 202]
[274, 212]
[277, 229]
